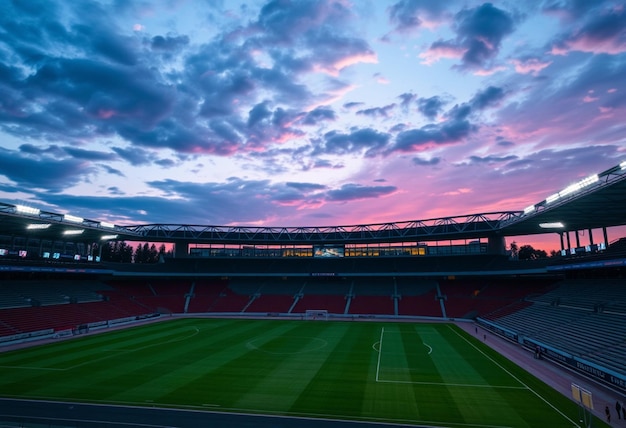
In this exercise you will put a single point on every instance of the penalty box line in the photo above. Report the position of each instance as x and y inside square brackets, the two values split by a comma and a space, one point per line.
[517, 379]
[462, 385]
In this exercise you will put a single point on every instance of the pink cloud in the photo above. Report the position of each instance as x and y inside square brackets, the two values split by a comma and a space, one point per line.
[589, 98]
[460, 191]
[530, 66]
[334, 68]
[441, 51]
[489, 71]
[589, 44]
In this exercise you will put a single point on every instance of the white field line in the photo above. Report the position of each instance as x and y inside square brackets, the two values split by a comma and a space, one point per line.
[461, 385]
[430, 349]
[380, 352]
[515, 377]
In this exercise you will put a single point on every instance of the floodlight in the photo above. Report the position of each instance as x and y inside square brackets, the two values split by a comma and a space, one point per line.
[554, 225]
[73, 232]
[570, 189]
[38, 226]
[107, 225]
[108, 237]
[552, 198]
[623, 165]
[579, 185]
[72, 219]
[589, 180]
[26, 210]
[529, 209]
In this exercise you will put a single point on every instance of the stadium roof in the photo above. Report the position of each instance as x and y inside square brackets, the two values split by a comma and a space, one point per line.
[596, 202]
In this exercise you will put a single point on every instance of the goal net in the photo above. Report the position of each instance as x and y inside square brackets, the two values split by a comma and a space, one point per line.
[316, 314]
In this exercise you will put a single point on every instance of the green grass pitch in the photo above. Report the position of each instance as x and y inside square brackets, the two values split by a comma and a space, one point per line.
[415, 373]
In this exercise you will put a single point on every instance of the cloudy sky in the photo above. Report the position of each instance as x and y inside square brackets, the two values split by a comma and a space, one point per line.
[305, 113]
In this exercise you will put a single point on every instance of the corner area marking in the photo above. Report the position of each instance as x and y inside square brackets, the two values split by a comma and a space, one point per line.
[515, 377]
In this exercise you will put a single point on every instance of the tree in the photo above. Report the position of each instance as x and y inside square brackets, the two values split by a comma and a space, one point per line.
[527, 252]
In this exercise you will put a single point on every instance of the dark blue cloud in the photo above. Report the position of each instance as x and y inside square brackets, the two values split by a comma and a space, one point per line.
[479, 35]
[43, 172]
[319, 114]
[450, 132]
[406, 100]
[384, 111]
[426, 162]
[481, 31]
[91, 155]
[603, 31]
[431, 107]
[351, 192]
[311, 34]
[408, 15]
[305, 187]
[487, 98]
[258, 113]
[353, 104]
[169, 43]
[135, 156]
[368, 142]
[492, 159]
[110, 170]
[571, 10]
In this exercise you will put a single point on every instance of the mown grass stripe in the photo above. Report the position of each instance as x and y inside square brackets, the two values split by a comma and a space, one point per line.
[302, 357]
[280, 367]
[339, 384]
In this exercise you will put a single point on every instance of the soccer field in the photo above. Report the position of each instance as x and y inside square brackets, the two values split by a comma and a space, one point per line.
[415, 373]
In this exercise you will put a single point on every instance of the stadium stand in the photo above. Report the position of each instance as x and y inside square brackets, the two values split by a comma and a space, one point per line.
[573, 319]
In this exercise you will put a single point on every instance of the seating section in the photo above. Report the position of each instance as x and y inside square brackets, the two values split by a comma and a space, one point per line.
[582, 317]
[22, 293]
[206, 292]
[469, 298]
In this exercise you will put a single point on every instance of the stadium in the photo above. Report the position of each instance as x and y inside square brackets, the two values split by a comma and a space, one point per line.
[397, 324]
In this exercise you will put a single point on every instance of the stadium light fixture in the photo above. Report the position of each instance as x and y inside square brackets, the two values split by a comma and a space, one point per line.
[529, 209]
[623, 165]
[73, 232]
[573, 188]
[107, 225]
[23, 209]
[72, 219]
[553, 225]
[552, 198]
[38, 226]
[108, 237]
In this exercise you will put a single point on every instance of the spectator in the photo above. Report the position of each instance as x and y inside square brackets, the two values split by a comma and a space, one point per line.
[608, 414]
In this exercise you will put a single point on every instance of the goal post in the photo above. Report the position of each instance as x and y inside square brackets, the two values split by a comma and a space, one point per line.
[316, 314]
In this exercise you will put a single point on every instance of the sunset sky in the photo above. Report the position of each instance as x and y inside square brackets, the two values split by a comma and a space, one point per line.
[305, 113]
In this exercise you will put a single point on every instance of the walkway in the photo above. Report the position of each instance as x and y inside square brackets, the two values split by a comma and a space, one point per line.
[554, 375]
